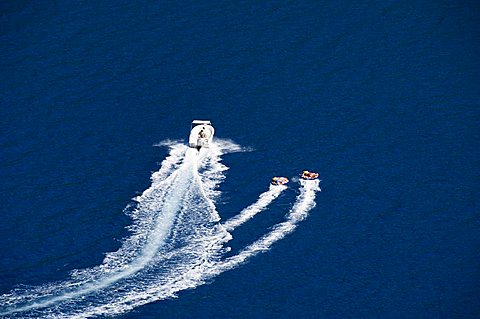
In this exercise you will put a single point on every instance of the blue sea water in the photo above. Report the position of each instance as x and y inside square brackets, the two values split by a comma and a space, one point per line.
[381, 98]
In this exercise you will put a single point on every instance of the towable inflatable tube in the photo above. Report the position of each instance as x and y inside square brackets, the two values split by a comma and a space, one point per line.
[279, 180]
[309, 175]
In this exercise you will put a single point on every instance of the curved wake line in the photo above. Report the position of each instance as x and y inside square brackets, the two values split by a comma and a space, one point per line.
[304, 203]
[261, 204]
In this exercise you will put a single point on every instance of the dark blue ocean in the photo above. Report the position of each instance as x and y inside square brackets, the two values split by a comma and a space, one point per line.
[105, 214]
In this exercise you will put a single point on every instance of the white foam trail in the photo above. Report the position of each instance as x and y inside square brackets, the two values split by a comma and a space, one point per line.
[199, 272]
[184, 173]
[304, 203]
[263, 201]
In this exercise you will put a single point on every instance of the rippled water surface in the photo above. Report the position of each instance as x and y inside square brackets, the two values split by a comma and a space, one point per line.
[106, 212]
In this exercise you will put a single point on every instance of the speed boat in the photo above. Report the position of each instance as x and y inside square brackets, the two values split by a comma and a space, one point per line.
[201, 134]
[309, 175]
[279, 180]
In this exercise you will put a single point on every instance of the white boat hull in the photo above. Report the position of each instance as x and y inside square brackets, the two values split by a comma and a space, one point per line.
[201, 134]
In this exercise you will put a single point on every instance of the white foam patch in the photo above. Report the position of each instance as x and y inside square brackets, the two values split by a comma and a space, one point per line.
[176, 242]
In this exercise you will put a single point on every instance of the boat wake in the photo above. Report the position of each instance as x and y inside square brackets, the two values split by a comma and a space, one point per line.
[264, 200]
[176, 242]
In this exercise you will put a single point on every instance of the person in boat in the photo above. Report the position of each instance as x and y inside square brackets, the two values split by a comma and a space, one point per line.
[202, 133]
